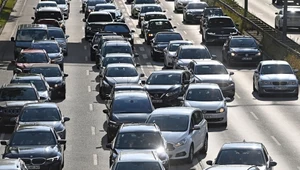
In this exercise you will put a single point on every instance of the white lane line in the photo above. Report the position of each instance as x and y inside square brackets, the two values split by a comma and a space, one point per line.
[93, 130]
[87, 72]
[91, 107]
[253, 114]
[95, 159]
[89, 89]
[142, 49]
[23, 7]
[275, 140]
[85, 47]
[184, 32]
[86, 58]
[145, 56]
[148, 64]
[237, 95]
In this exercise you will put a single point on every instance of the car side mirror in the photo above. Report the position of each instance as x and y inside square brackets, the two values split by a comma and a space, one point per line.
[62, 141]
[169, 19]
[137, 64]
[237, 25]
[84, 20]
[142, 75]
[67, 36]
[100, 75]
[276, 13]
[136, 54]
[227, 99]
[175, 27]
[3, 142]
[143, 82]
[107, 97]
[12, 38]
[296, 70]
[105, 111]
[272, 163]
[213, 57]
[32, 18]
[231, 73]
[132, 31]
[95, 47]
[66, 119]
[196, 127]
[180, 98]
[34, 8]
[66, 75]
[109, 146]
[209, 162]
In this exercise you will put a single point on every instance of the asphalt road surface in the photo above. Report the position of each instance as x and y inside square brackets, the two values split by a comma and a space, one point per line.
[272, 121]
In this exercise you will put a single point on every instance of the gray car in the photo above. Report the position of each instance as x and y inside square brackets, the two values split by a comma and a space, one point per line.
[137, 4]
[64, 7]
[275, 77]
[59, 35]
[233, 167]
[180, 4]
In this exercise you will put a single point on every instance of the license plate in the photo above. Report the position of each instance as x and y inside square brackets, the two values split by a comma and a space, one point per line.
[198, 17]
[33, 167]
[222, 37]
[157, 101]
[280, 88]
[246, 58]
[207, 117]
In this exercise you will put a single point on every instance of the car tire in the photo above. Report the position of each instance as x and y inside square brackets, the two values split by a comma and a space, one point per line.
[253, 86]
[190, 159]
[204, 149]
[101, 93]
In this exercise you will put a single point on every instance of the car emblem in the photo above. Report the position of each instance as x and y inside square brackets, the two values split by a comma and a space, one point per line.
[246, 55]
[156, 96]
[31, 156]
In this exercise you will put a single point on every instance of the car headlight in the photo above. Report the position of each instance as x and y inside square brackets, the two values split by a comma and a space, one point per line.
[258, 54]
[233, 54]
[233, 33]
[221, 110]
[56, 158]
[180, 143]
[211, 33]
[58, 84]
[150, 35]
[293, 82]
[88, 28]
[266, 82]
[172, 93]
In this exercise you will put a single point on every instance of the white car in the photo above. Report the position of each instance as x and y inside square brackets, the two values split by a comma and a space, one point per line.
[293, 17]
[170, 51]
[184, 129]
[64, 7]
[43, 4]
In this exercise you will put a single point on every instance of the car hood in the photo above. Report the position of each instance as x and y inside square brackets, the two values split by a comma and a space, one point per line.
[53, 55]
[278, 77]
[171, 53]
[62, 6]
[213, 78]
[52, 80]
[244, 50]
[32, 151]
[23, 44]
[161, 88]
[131, 117]
[120, 80]
[56, 125]
[210, 105]
[16, 103]
[173, 137]
[98, 23]
[233, 167]
[195, 10]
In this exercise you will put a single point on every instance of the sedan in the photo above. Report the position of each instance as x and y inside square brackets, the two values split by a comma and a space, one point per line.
[137, 4]
[148, 8]
[193, 11]
[149, 16]
[60, 37]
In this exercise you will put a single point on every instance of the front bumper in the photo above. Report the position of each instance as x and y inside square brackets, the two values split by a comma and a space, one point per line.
[216, 118]
[283, 89]
[216, 37]
[46, 166]
[245, 58]
[181, 152]
[193, 18]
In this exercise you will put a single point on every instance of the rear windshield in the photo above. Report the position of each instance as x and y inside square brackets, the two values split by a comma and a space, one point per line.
[53, 15]
[117, 28]
[95, 2]
[103, 7]
[100, 18]
[168, 37]
[151, 9]
[32, 34]
[160, 25]
[220, 22]
[155, 16]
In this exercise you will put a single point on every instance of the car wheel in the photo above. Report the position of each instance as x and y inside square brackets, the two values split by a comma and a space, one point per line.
[191, 155]
[205, 146]
[253, 86]
[101, 93]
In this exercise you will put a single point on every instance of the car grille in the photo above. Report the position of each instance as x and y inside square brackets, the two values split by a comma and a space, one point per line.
[34, 161]
[52, 84]
[170, 146]
[12, 111]
[208, 111]
[156, 95]
[280, 83]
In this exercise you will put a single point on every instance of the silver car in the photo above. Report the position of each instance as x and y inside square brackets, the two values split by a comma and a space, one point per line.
[275, 77]
[209, 98]
[64, 7]
[180, 4]
[62, 39]
[13, 164]
[137, 4]
[43, 4]
[293, 17]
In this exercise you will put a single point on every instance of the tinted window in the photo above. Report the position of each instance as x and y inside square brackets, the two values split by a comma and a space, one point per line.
[35, 114]
[194, 53]
[204, 95]
[116, 49]
[110, 60]
[220, 22]
[243, 42]
[102, 7]
[18, 94]
[175, 46]
[31, 34]
[145, 2]
[32, 138]
[121, 72]
[164, 79]
[155, 16]
[39, 84]
[276, 69]
[47, 72]
[129, 105]
[33, 58]
[100, 18]
[49, 48]
[95, 2]
[46, 5]
[213, 12]
[160, 25]
[139, 140]
[172, 123]
[56, 33]
[53, 15]
[167, 37]
[196, 6]
[138, 166]
[210, 69]
[117, 28]
[151, 9]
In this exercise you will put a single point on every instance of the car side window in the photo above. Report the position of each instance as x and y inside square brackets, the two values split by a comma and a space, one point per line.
[197, 117]
[265, 153]
[259, 67]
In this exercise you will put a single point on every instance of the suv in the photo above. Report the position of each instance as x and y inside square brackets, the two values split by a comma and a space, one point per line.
[13, 97]
[26, 33]
[13, 164]
[210, 11]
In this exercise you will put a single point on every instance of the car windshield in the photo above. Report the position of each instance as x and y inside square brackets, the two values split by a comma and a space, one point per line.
[117, 28]
[220, 22]
[167, 37]
[56, 33]
[95, 2]
[137, 166]
[213, 12]
[116, 49]
[146, 9]
[36, 114]
[121, 72]
[132, 105]
[210, 69]
[100, 18]
[103, 7]
[33, 58]
[41, 5]
[39, 84]
[172, 123]
[175, 46]
[110, 60]
[204, 95]
[164, 79]
[48, 47]
[59, 1]
[160, 25]
[32, 34]
[139, 140]
[32, 138]
[52, 15]
[47, 72]
[194, 53]
[243, 42]
[241, 156]
[155, 16]
[113, 14]
[196, 6]
[144, 2]
[18, 94]
[276, 69]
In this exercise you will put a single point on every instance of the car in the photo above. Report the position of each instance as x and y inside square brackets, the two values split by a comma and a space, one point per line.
[54, 76]
[244, 153]
[125, 87]
[117, 73]
[293, 13]
[139, 137]
[62, 39]
[13, 164]
[120, 29]
[63, 6]
[51, 23]
[50, 13]
[218, 29]
[275, 77]
[35, 139]
[149, 16]
[43, 4]
[210, 11]
[116, 14]
[185, 130]
[187, 53]
[209, 99]
[242, 50]
[180, 4]
[212, 71]
[100, 7]
[157, 25]
[233, 167]
[137, 160]
[148, 8]
[43, 114]
[126, 107]
[137, 4]
[37, 80]
[165, 86]
[170, 52]
[90, 6]
[161, 41]
[95, 22]
[13, 97]
[95, 41]
[53, 50]
[193, 11]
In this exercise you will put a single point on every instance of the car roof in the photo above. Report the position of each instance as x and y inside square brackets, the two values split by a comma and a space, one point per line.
[156, 20]
[29, 50]
[115, 23]
[207, 62]
[49, 9]
[204, 86]
[10, 164]
[45, 42]
[117, 43]
[42, 105]
[168, 32]
[193, 47]
[174, 111]
[150, 5]
[268, 62]
[155, 13]
[118, 55]
[107, 4]
[29, 128]
[137, 156]
[168, 71]
[180, 41]
[132, 95]
[47, 2]
[216, 16]
[18, 85]
[32, 26]
[46, 65]
[127, 86]
[138, 127]
[54, 28]
[197, 2]
[233, 167]
[99, 12]
[241, 36]
[113, 37]
[242, 145]
[120, 65]
[27, 76]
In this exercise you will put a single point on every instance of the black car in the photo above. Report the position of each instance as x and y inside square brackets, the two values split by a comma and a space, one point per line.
[95, 22]
[218, 29]
[116, 14]
[161, 41]
[157, 25]
[120, 29]
[38, 146]
[127, 107]
[193, 11]
[148, 8]
[90, 6]
[241, 49]
[210, 11]
[165, 86]
[54, 77]
[149, 16]
[13, 97]
[95, 41]
[126, 87]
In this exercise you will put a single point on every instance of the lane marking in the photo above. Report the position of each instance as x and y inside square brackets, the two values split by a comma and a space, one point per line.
[87, 72]
[142, 49]
[237, 95]
[95, 159]
[23, 7]
[89, 89]
[86, 58]
[91, 107]
[275, 140]
[93, 129]
[85, 47]
[145, 56]
[253, 114]
[184, 32]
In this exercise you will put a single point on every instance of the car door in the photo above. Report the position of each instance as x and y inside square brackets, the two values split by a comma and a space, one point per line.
[256, 75]
[201, 133]
[193, 133]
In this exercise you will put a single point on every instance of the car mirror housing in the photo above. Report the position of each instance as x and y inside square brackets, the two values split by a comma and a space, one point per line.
[231, 73]
[109, 146]
[196, 127]
[142, 75]
[12, 39]
[209, 162]
[272, 163]
[66, 119]
[4, 142]
[66, 75]
[105, 111]
[137, 64]
[143, 82]
[227, 99]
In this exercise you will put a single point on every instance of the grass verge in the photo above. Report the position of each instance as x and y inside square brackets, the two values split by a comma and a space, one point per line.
[4, 15]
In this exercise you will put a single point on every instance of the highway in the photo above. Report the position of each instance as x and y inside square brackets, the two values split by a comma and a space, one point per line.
[272, 121]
